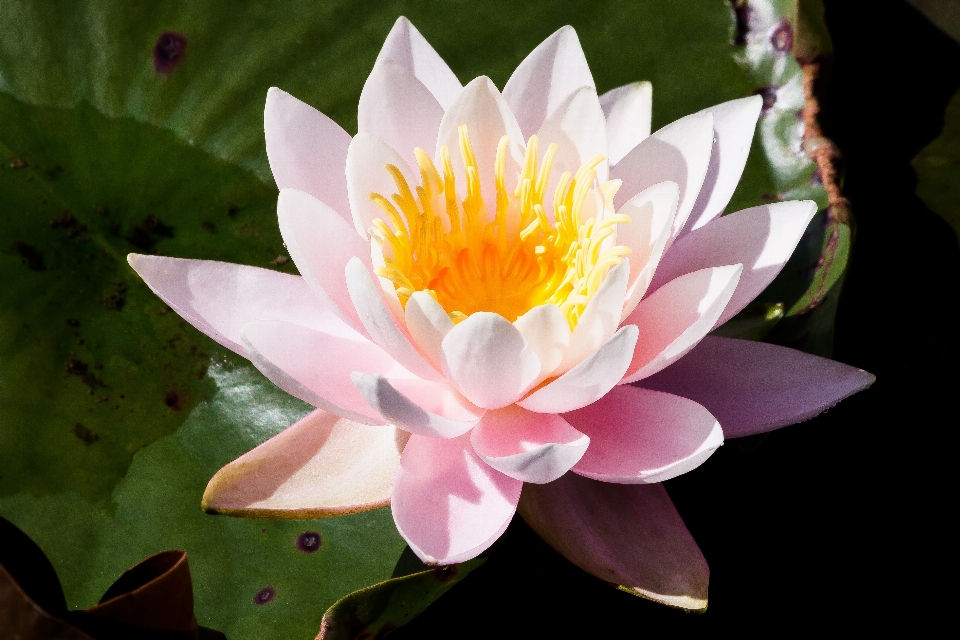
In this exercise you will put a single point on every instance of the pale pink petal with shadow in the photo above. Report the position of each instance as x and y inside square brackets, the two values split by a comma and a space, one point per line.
[628, 535]
[306, 149]
[405, 46]
[319, 467]
[628, 110]
[754, 387]
[218, 298]
[638, 436]
[600, 318]
[448, 504]
[527, 446]
[547, 333]
[366, 168]
[428, 324]
[579, 129]
[761, 238]
[550, 73]
[487, 359]
[675, 317]
[422, 407]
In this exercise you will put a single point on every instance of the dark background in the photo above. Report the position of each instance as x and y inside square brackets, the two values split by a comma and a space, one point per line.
[843, 519]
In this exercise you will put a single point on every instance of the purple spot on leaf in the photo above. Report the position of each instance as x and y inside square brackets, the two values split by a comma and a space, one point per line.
[782, 37]
[769, 95]
[168, 52]
[264, 596]
[309, 542]
[817, 178]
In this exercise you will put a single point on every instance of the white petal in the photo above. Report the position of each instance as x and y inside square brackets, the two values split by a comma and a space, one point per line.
[427, 323]
[680, 152]
[550, 73]
[651, 223]
[547, 333]
[405, 46]
[306, 149]
[588, 381]
[675, 317]
[600, 318]
[399, 110]
[367, 160]
[487, 360]
[411, 416]
[734, 123]
[527, 446]
[380, 323]
[628, 110]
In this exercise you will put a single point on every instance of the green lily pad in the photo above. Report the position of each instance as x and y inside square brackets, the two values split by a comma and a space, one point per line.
[938, 169]
[134, 127]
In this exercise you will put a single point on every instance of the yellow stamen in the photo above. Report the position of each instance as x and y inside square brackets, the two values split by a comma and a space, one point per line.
[469, 260]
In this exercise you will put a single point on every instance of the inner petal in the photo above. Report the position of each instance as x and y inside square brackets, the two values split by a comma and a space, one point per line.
[505, 257]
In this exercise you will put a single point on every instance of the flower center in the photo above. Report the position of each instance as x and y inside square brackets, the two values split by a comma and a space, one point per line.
[508, 262]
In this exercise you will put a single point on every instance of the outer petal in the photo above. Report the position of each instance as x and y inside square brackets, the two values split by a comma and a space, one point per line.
[447, 503]
[754, 387]
[321, 243]
[488, 118]
[531, 447]
[218, 298]
[588, 381]
[639, 436]
[552, 71]
[677, 316]
[600, 318]
[321, 466]
[366, 164]
[680, 152]
[547, 333]
[441, 413]
[399, 110]
[628, 110]
[762, 239]
[427, 323]
[579, 129]
[316, 367]
[405, 46]
[734, 123]
[627, 535]
[651, 224]
[379, 322]
[307, 150]
[487, 359]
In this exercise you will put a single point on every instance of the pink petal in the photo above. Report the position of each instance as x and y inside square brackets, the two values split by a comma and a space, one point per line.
[651, 224]
[588, 381]
[579, 129]
[675, 317]
[399, 110]
[547, 333]
[405, 46]
[307, 150]
[366, 167]
[628, 110]
[447, 503]
[600, 318]
[530, 447]
[734, 123]
[380, 323]
[321, 243]
[550, 73]
[321, 466]
[639, 436]
[440, 412]
[753, 387]
[218, 298]
[630, 535]
[486, 358]
[487, 116]
[428, 324]
[761, 238]
[680, 152]
[316, 366]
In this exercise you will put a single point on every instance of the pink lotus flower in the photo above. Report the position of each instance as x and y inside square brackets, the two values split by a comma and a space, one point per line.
[484, 275]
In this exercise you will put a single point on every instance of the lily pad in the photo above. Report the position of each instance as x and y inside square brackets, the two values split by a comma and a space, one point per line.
[133, 127]
[938, 169]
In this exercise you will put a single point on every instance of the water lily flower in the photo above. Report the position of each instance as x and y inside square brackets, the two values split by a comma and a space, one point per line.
[505, 304]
